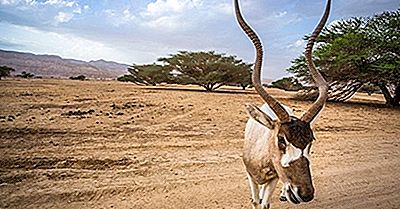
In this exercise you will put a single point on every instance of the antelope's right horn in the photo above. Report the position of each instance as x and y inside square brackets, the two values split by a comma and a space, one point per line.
[316, 75]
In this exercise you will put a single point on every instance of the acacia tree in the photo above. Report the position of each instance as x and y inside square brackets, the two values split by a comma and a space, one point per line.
[384, 33]
[358, 51]
[147, 74]
[207, 69]
[25, 74]
[5, 71]
[287, 84]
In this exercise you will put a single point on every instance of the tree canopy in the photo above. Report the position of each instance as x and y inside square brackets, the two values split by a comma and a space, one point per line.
[207, 69]
[287, 84]
[79, 77]
[151, 74]
[5, 71]
[25, 74]
[358, 51]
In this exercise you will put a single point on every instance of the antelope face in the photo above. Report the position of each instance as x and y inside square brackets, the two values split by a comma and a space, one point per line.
[292, 161]
[289, 146]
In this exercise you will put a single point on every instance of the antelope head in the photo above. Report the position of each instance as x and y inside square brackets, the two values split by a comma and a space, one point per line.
[290, 138]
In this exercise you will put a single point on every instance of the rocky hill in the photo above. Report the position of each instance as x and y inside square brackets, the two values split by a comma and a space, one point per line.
[55, 66]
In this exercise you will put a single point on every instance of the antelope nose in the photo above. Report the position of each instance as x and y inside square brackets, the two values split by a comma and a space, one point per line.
[308, 197]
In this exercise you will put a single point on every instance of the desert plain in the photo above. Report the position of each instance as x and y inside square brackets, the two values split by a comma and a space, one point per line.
[107, 144]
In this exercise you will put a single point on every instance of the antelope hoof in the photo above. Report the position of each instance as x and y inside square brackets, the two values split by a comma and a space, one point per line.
[266, 206]
[255, 204]
[282, 198]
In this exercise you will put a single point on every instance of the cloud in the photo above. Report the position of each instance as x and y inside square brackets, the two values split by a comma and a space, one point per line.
[60, 3]
[8, 44]
[174, 16]
[347, 9]
[119, 18]
[63, 17]
[183, 16]
[166, 7]
[22, 4]
[66, 9]
[166, 23]
[66, 45]
[127, 15]
[7, 2]
[299, 44]
[36, 13]
[280, 14]
[224, 8]
[77, 10]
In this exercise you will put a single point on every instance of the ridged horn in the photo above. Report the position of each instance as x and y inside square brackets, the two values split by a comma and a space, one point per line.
[316, 75]
[272, 102]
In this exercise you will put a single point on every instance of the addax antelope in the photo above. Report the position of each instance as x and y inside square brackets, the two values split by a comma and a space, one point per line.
[277, 143]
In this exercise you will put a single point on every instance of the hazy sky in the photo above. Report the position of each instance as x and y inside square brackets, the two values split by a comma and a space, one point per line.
[140, 31]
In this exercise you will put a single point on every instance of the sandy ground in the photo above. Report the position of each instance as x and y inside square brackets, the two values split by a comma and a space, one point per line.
[94, 144]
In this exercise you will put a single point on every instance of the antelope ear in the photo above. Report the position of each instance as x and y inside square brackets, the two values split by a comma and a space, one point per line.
[258, 115]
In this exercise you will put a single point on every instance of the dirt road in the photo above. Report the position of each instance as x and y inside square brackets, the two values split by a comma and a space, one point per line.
[94, 144]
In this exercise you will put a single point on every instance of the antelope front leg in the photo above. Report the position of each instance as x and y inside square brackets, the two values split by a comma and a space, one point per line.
[255, 199]
[266, 193]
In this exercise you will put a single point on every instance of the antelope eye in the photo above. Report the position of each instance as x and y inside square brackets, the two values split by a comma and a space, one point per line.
[281, 142]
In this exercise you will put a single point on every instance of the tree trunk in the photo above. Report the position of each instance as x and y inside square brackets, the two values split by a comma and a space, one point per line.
[208, 87]
[396, 99]
[338, 91]
[388, 97]
[344, 92]
[217, 86]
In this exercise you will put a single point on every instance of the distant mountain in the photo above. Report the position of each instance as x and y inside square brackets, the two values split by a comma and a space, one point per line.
[267, 81]
[55, 66]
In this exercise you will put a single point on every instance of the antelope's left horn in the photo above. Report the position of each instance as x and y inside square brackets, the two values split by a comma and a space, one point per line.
[316, 75]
